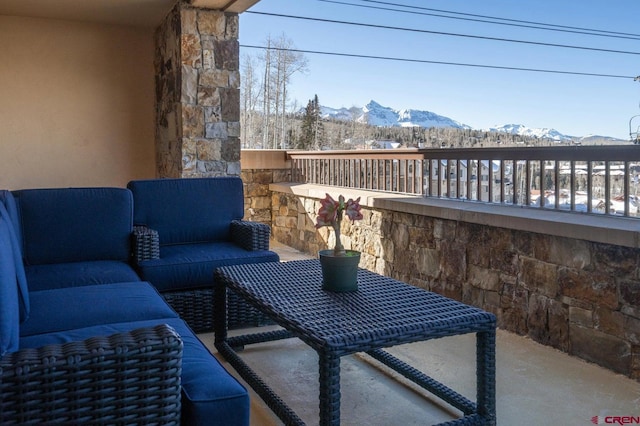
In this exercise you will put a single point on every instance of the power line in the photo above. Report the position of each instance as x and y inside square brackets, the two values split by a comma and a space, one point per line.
[532, 25]
[424, 61]
[332, 21]
[498, 18]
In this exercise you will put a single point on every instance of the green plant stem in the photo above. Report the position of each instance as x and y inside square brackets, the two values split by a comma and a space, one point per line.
[339, 248]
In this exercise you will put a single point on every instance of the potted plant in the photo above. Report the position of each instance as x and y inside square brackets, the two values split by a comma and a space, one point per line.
[339, 266]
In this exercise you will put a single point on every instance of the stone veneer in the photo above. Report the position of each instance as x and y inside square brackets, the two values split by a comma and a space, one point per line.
[261, 168]
[197, 93]
[579, 296]
[257, 195]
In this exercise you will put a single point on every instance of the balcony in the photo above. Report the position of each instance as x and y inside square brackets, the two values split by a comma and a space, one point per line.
[553, 274]
[431, 220]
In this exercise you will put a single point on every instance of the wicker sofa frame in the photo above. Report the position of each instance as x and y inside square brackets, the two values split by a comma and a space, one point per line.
[126, 378]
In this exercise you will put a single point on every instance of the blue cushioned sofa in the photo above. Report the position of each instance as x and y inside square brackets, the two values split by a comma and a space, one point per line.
[84, 336]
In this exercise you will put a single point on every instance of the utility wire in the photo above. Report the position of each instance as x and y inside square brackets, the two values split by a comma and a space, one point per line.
[423, 61]
[332, 21]
[497, 18]
[597, 33]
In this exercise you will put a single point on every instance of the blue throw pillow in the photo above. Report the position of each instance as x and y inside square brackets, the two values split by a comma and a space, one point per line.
[9, 201]
[13, 244]
[9, 305]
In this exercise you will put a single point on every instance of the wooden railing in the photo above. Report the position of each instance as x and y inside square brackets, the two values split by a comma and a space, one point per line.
[578, 179]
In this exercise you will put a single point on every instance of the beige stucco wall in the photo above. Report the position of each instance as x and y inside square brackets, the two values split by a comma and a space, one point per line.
[76, 104]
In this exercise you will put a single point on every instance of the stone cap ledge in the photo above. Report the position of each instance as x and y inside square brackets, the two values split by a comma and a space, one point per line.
[589, 227]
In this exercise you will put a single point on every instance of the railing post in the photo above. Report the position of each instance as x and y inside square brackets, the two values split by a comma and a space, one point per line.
[589, 187]
[556, 185]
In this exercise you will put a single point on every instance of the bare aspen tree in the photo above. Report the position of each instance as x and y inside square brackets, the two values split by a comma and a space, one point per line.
[277, 93]
[280, 63]
[287, 64]
[250, 96]
[266, 97]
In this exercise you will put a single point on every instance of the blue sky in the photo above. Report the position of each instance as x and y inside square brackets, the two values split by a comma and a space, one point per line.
[479, 97]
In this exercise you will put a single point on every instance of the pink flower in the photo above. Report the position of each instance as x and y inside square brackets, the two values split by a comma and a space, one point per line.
[352, 209]
[330, 214]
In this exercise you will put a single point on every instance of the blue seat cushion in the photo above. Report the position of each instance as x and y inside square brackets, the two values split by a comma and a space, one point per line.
[68, 308]
[75, 224]
[9, 298]
[76, 274]
[192, 265]
[210, 395]
[188, 210]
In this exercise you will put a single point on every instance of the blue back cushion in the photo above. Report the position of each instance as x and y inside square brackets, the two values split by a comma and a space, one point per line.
[188, 210]
[9, 299]
[75, 224]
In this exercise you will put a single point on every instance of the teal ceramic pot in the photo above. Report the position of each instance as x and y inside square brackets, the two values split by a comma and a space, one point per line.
[339, 273]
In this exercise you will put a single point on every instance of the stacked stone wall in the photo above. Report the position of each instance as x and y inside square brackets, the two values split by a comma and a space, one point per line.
[578, 296]
[197, 93]
[257, 195]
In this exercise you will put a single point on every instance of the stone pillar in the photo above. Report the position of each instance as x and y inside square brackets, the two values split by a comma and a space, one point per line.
[197, 93]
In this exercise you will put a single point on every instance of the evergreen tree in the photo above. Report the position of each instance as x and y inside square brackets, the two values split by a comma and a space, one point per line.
[306, 129]
[312, 129]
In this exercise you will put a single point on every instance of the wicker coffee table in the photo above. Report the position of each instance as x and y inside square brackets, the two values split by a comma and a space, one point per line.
[382, 313]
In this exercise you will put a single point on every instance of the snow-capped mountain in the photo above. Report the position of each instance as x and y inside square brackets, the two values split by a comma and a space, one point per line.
[343, 114]
[377, 115]
[541, 133]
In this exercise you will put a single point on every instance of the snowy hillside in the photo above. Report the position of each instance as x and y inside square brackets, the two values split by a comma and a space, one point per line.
[542, 133]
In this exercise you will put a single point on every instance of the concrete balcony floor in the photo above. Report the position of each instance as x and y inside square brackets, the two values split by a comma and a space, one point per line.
[535, 384]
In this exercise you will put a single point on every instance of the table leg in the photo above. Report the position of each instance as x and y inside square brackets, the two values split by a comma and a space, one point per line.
[486, 375]
[329, 389]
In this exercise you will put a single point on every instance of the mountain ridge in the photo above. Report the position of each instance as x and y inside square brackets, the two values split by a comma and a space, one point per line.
[378, 115]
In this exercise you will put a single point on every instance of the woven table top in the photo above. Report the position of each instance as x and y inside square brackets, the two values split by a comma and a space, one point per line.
[383, 312]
